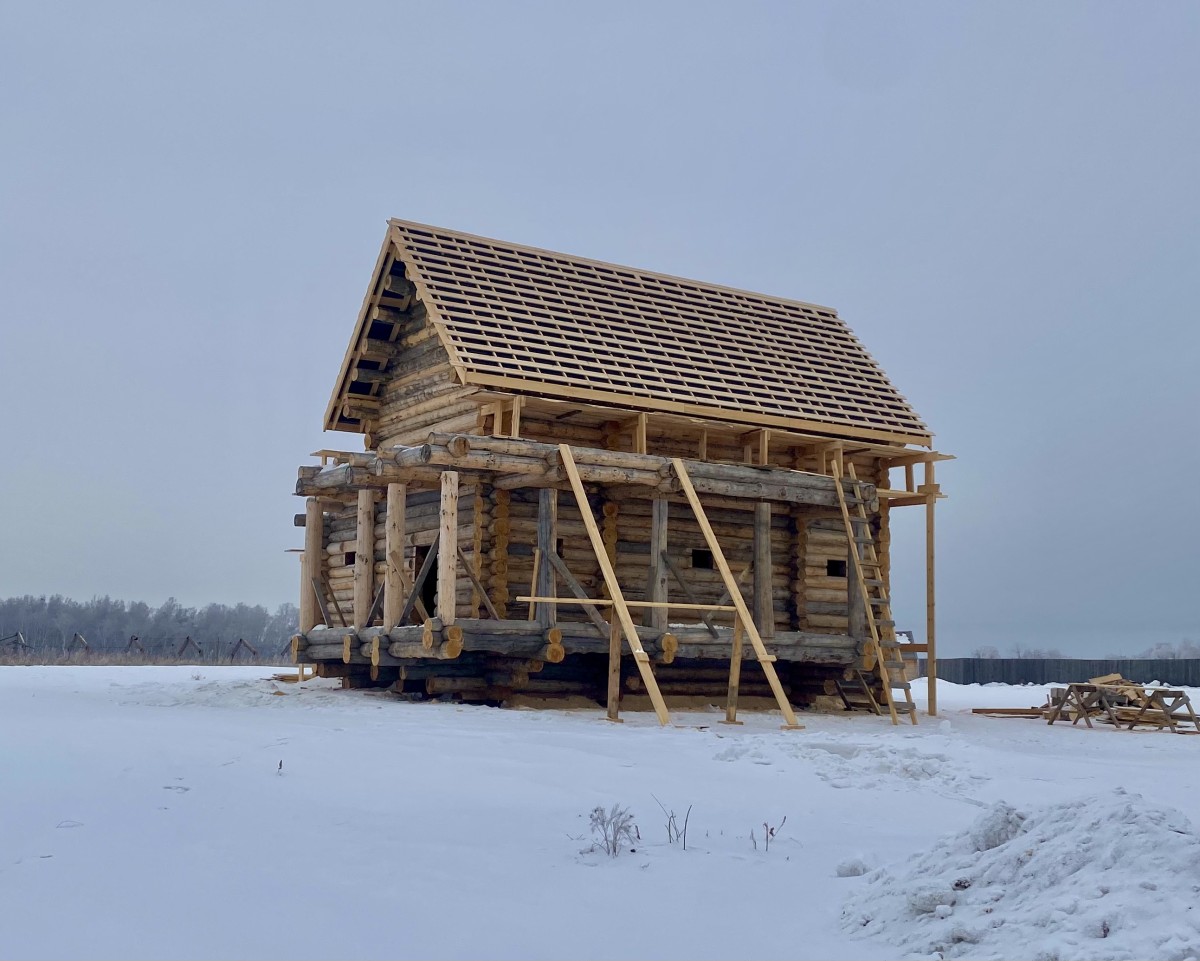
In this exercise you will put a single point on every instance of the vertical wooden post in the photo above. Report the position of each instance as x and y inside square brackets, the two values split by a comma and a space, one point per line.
[620, 608]
[514, 427]
[702, 450]
[364, 559]
[931, 492]
[447, 560]
[765, 660]
[310, 564]
[393, 552]
[657, 618]
[764, 607]
[735, 674]
[856, 610]
[639, 437]
[547, 544]
[614, 669]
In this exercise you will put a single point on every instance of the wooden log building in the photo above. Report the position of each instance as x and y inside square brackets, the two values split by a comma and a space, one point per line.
[581, 478]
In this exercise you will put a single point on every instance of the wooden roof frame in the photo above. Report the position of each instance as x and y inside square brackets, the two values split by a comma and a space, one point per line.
[395, 249]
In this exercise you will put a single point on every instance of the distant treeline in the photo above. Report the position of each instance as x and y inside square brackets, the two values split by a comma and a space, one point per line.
[49, 624]
[1182, 651]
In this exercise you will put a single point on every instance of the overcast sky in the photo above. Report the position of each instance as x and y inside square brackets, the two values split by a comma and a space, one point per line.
[1000, 199]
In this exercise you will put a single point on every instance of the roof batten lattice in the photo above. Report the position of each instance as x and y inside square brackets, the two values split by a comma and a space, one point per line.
[521, 318]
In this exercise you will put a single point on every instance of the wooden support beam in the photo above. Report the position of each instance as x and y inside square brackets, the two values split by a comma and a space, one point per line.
[735, 674]
[414, 595]
[920, 457]
[764, 607]
[537, 565]
[320, 598]
[376, 605]
[657, 618]
[691, 595]
[765, 659]
[547, 534]
[641, 658]
[614, 670]
[639, 434]
[393, 536]
[609, 602]
[577, 589]
[514, 427]
[364, 559]
[756, 447]
[310, 566]
[477, 584]
[337, 609]
[447, 568]
[930, 597]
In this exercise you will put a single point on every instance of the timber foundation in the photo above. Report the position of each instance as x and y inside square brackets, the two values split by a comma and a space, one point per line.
[506, 533]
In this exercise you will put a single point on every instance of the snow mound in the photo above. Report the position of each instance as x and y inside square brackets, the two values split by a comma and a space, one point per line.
[1104, 877]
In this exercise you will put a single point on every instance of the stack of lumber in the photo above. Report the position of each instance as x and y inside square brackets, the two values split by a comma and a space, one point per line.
[1115, 700]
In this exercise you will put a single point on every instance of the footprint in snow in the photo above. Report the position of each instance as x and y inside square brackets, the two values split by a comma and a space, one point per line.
[176, 787]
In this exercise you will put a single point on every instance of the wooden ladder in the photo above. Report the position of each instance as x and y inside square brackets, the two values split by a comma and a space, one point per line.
[884, 647]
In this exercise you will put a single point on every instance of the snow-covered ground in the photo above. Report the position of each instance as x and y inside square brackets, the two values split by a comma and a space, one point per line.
[143, 813]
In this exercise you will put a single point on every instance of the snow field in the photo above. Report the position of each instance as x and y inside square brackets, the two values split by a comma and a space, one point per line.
[146, 806]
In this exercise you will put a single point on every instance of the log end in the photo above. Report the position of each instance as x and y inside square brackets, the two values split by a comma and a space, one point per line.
[554, 654]
[670, 647]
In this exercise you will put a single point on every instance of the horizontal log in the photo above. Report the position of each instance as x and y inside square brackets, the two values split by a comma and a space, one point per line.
[732, 480]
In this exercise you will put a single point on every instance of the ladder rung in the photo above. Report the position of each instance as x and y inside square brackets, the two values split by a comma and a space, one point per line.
[894, 665]
[879, 601]
[902, 707]
[899, 685]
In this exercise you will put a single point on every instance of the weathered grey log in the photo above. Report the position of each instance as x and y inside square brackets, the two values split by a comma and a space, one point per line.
[764, 615]
[333, 652]
[547, 535]
[415, 649]
[735, 480]
[657, 577]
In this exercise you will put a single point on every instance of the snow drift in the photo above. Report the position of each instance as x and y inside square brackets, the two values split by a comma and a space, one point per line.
[1106, 877]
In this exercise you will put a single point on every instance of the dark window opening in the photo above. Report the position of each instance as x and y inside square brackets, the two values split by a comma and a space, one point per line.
[429, 588]
[558, 547]
[835, 568]
[702, 559]
[350, 555]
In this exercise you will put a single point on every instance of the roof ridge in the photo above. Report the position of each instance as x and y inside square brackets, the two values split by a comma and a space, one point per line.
[613, 265]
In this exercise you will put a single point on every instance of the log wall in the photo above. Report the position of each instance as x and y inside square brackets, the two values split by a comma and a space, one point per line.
[421, 393]
[339, 548]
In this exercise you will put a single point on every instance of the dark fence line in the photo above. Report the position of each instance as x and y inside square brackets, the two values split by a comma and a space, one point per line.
[169, 648]
[1184, 672]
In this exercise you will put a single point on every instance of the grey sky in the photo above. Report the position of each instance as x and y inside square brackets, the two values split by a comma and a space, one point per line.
[1000, 199]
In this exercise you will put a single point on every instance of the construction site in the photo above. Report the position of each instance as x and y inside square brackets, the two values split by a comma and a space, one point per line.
[582, 479]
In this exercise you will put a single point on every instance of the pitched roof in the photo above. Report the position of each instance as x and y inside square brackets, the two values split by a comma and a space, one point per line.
[534, 321]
